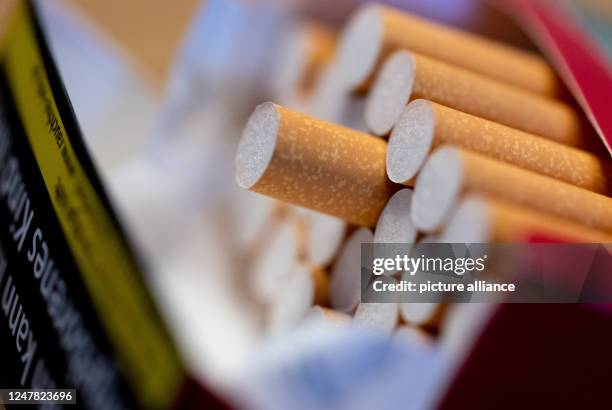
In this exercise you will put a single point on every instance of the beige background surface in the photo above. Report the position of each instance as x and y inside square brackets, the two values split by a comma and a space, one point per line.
[151, 31]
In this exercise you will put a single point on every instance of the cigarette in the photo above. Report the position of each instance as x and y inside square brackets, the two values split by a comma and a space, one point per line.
[480, 219]
[332, 101]
[376, 31]
[461, 326]
[256, 218]
[378, 317]
[395, 224]
[321, 280]
[311, 163]
[406, 76]
[330, 96]
[419, 313]
[324, 236]
[292, 300]
[275, 263]
[302, 57]
[322, 314]
[301, 233]
[424, 125]
[345, 286]
[425, 314]
[413, 335]
[451, 171]
[432, 238]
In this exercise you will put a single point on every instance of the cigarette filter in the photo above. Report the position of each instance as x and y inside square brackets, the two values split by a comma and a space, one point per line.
[331, 316]
[292, 299]
[451, 171]
[275, 263]
[378, 317]
[345, 286]
[461, 326]
[426, 314]
[413, 335]
[323, 238]
[320, 48]
[321, 280]
[394, 224]
[308, 162]
[424, 125]
[302, 229]
[303, 54]
[420, 313]
[332, 101]
[483, 220]
[406, 76]
[375, 31]
[255, 219]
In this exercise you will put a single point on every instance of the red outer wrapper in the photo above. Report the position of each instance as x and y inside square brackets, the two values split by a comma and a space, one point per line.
[578, 60]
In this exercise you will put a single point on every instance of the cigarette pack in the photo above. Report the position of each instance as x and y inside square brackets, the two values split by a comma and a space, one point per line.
[76, 311]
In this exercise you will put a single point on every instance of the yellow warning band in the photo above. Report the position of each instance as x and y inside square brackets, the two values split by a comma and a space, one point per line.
[146, 353]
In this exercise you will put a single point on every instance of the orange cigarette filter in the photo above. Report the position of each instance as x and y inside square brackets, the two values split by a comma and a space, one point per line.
[321, 280]
[315, 164]
[302, 238]
[452, 171]
[320, 48]
[303, 54]
[376, 31]
[481, 219]
[425, 125]
[329, 315]
[406, 76]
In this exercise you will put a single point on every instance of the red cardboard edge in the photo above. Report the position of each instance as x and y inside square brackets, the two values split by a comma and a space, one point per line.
[583, 67]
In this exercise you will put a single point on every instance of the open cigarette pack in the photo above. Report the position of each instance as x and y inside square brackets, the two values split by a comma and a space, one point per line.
[417, 210]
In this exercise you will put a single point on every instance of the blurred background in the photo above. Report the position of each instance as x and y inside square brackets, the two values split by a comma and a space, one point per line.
[162, 90]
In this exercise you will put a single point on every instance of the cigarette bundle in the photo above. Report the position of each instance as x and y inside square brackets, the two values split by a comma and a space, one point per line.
[318, 165]
[481, 220]
[406, 76]
[375, 31]
[424, 125]
[451, 171]
[483, 113]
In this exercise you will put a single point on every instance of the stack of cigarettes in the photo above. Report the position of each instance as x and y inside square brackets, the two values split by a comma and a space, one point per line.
[410, 131]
